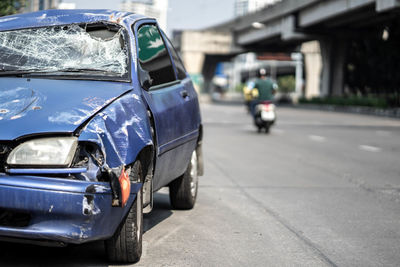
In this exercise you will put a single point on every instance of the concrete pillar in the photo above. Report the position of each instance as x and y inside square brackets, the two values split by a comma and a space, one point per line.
[333, 53]
[202, 50]
[326, 52]
[338, 67]
[313, 67]
[194, 62]
[208, 71]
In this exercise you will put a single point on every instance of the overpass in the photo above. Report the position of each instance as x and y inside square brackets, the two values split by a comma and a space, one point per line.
[286, 25]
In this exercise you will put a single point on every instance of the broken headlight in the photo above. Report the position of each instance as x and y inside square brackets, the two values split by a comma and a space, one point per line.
[53, 151]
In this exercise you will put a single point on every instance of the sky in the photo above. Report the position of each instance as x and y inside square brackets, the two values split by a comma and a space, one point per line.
[182, 14]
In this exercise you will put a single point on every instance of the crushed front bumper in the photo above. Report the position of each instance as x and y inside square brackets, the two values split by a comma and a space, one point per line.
[58, 210]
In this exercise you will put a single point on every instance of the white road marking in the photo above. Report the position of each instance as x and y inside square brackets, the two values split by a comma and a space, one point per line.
[222, 122]
[249, 128]
[317, 138]
[278, 131]
[370, 148]
[383, 133]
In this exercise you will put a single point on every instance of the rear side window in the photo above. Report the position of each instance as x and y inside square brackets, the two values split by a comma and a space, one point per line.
[153, 55]
[178, 62]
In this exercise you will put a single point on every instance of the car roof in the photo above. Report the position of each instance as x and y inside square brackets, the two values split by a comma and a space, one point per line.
[54, 17]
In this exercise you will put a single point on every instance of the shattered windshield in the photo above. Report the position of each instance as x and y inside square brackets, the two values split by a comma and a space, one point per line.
[95, 50]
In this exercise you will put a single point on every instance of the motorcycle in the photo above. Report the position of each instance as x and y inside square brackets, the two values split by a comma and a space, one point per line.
[264, 115]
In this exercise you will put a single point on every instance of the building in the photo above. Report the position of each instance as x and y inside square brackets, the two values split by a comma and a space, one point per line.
[151, 8]
[35, 5]
[243, 7]
[66, 6]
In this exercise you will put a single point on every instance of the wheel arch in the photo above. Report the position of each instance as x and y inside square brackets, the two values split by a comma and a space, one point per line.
[146, 158]
[199, 152]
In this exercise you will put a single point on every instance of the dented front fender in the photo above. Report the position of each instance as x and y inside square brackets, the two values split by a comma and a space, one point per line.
[121, 130]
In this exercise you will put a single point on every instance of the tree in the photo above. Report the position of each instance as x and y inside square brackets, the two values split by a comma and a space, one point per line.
[373, 63]
[9, 7]
[286, 84]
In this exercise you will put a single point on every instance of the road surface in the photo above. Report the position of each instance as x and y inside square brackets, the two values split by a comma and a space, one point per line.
[322, 189]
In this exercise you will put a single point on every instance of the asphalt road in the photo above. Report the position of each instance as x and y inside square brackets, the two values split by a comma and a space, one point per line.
[322, 189]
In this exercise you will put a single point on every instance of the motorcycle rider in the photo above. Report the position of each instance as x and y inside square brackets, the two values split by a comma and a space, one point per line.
[264, 89]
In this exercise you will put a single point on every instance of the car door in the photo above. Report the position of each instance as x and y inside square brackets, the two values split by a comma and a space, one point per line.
[166, 97]
[191, 103]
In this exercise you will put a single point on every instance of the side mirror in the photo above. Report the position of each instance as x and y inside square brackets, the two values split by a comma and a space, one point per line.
[146, 84]
[145, 80]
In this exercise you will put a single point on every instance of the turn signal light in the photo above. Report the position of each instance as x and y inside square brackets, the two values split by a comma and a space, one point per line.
[125, 187]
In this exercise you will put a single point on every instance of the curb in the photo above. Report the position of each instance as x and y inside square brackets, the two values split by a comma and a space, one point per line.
[390, 113]
[226, 100]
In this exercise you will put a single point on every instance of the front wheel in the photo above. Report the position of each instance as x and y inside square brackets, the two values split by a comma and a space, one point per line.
[125, 245]
[183, 190]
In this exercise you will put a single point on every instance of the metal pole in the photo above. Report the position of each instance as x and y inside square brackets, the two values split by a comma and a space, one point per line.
[298, 58]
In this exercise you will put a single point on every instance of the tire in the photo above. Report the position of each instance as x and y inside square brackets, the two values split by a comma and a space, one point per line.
[267, 128]
[183, 190]
[125, 246]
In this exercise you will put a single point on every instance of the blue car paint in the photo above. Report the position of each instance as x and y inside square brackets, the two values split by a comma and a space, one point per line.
[63, 17]
[47, 171]
[62, 210]
[40, 106]
[177, 137]
[121, 126]
[110, 114]
[177, 121]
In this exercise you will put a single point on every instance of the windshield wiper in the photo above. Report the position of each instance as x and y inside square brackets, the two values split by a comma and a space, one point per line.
[13, 72]
[39, 72]
[77, 70]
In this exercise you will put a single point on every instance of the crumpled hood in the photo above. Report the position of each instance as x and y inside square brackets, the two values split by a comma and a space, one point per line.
[38, 106]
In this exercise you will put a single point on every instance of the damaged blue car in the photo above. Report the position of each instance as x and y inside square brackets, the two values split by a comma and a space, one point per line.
[97, 113]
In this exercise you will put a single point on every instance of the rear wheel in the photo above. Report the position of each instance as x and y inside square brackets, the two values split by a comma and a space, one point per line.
[267, 126]
[126, 243]
[183, 190]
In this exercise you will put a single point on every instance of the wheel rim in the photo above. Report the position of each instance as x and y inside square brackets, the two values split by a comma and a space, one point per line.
[193, 174]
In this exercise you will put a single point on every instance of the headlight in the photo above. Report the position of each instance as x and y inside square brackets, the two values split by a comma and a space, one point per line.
[54, 151]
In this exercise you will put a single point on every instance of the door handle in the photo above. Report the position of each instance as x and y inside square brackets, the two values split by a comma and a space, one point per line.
[184, 93]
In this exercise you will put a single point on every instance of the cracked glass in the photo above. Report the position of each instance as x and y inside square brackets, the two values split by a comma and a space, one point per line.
[75, 49]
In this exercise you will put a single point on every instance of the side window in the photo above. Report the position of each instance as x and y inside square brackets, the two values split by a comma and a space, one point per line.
[178, 62]
[153, 55]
